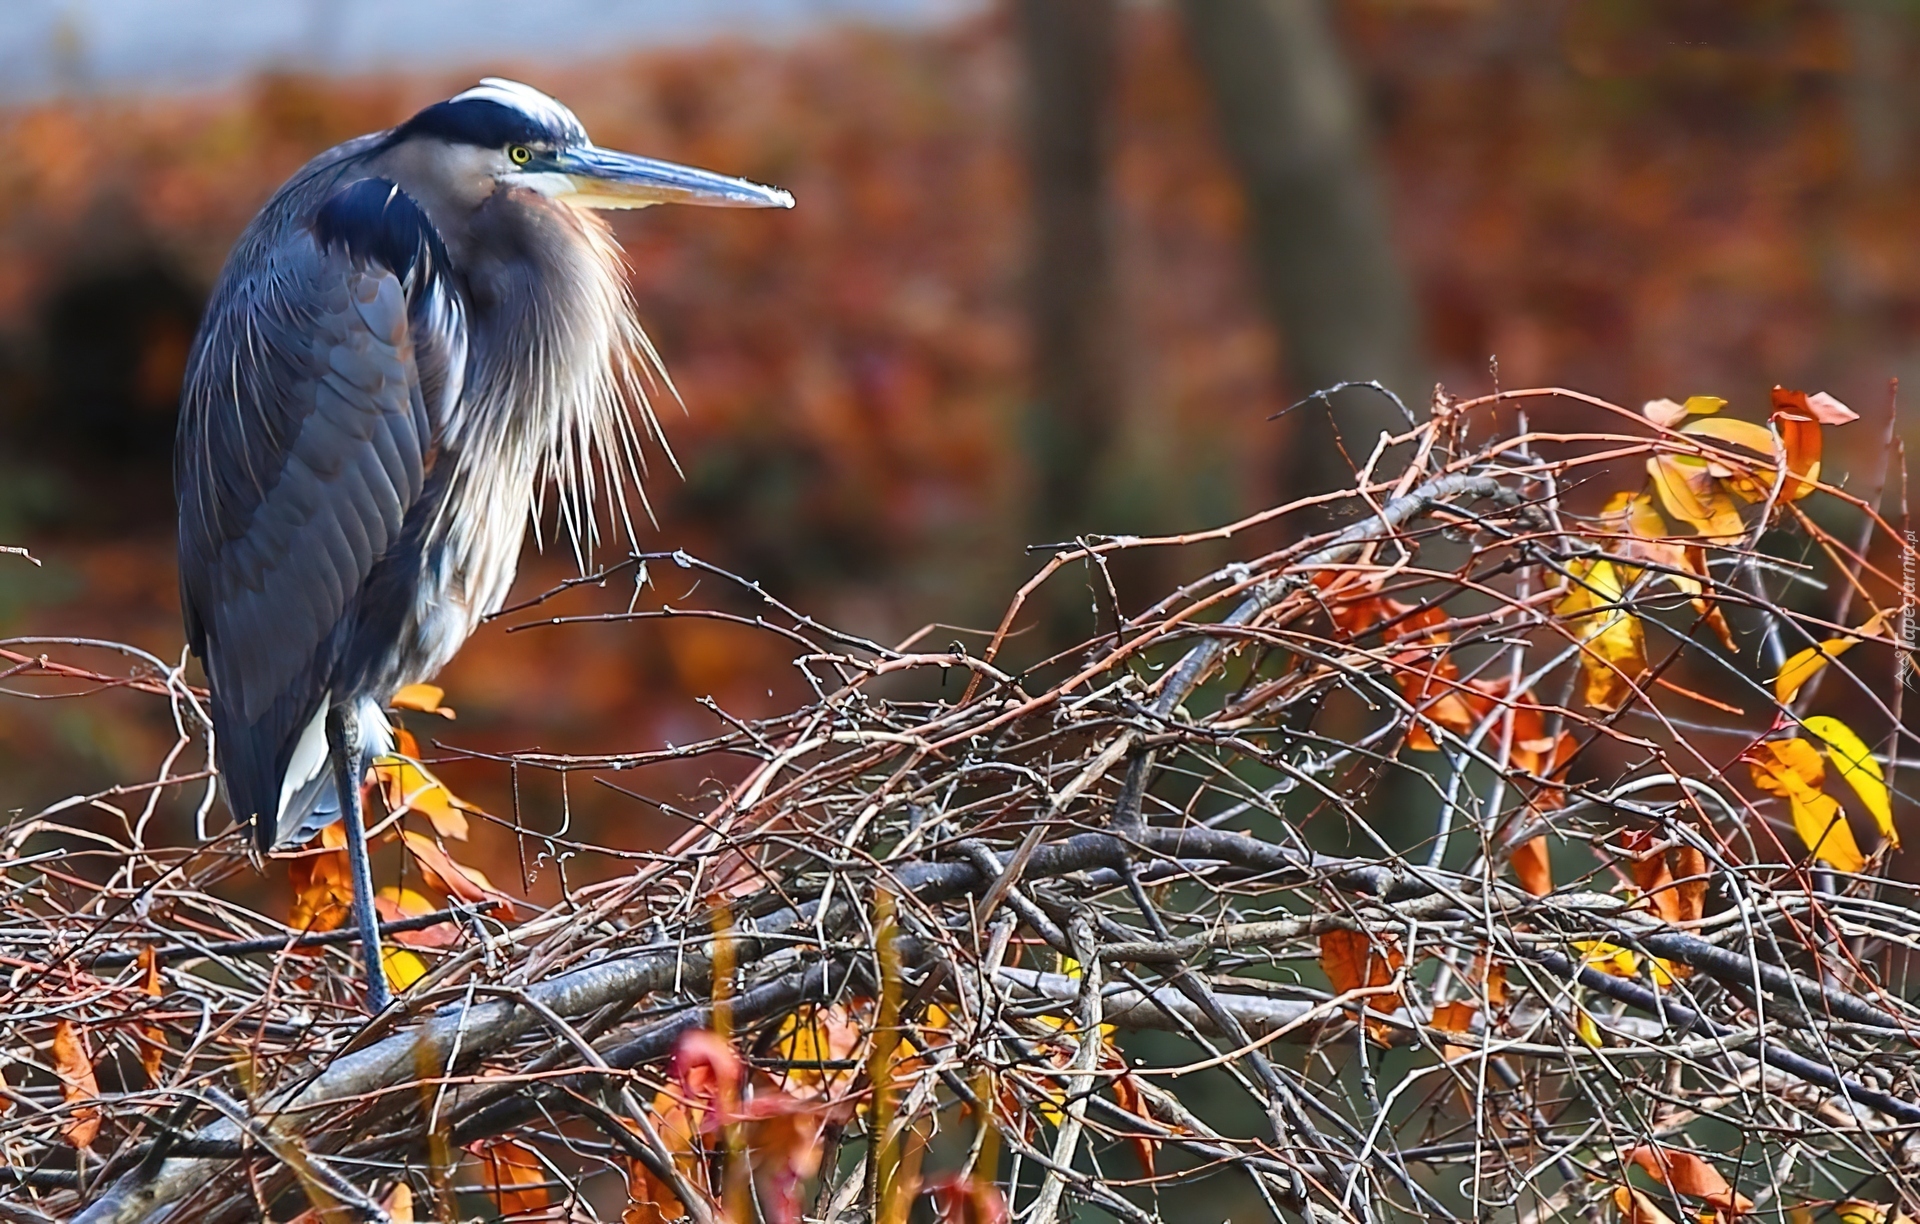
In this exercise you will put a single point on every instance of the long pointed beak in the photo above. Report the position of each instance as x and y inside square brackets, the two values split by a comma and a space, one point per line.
[602, 178]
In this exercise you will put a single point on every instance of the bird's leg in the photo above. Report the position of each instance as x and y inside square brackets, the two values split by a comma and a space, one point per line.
[343, 743]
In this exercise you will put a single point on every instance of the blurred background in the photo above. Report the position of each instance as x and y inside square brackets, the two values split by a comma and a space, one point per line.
[1055, 265]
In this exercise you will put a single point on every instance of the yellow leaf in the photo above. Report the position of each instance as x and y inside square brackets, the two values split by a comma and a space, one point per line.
[1665, 412]
[1688, 490]
[1792, 769]
[1734, 432]
[1614, 642]
[1855, 763]
[1608, 958]
[403, 967]
[1588, 1031]
[1804, 664]
[425, 698]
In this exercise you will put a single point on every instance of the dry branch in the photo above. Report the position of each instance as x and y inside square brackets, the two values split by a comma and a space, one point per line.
[1294, 817]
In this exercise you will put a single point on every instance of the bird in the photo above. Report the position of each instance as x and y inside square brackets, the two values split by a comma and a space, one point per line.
[420, 333]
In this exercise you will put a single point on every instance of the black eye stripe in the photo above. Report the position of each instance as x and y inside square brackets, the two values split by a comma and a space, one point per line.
[486, 123]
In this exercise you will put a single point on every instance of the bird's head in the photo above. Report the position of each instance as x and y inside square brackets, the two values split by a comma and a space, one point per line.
[504, 134]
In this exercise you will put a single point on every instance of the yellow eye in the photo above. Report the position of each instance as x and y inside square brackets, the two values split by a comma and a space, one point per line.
[520, 154]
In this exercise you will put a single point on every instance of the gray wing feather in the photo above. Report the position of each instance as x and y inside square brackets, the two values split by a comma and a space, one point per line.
[303, 446]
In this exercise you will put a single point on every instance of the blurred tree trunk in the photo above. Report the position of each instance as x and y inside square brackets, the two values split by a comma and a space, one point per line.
[1068, 47]
[1292, 120]
[1879, 97]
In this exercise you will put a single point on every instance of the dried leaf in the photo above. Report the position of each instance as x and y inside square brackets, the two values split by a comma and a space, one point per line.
[1791, 769]
[679, 1125]
[1490, 980]
[74, 1068]
[1855, 763]
[1455, 1017]
[967, 1200]
[425, 698]
[818, 1034]
[394, 904]
[1636, 1208]
[1799, 427]
[152, 1040]
[407, 786]
[1828, 410]
[512, 1174]
[1127, 1095]
[321, 883]
[1688, 1174]
[1533, 866]
[1664, 412]
[467, 884]
[1353, 961]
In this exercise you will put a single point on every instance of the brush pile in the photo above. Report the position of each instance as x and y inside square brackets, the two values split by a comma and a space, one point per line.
[1506, 836]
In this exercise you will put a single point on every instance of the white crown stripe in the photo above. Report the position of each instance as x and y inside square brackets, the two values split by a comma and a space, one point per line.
[546, 111]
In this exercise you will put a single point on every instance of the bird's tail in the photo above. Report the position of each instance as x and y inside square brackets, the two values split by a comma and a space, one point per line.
[309, 798]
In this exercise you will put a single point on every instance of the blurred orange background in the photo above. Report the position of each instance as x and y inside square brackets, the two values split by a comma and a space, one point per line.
[1636, 199]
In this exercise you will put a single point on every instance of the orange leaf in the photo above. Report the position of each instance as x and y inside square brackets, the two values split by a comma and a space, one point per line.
[1490, 979]
[422, 697]
[150, 1039]
[1685, 1173]
[465, 883]
[408, 787]
[1801, 668]
[394, 904]
[679, 1125]
[1791, 769]
[1127, 1095]
[818, 1034]
[321, 883]
[1532, 866]
[1353, 961]
[1455, 1017]
[399, 1204]
[1799, 425]
[513, 1175]
[75, 1071]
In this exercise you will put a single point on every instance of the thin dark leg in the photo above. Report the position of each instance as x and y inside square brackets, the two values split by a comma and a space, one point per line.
[343, 743]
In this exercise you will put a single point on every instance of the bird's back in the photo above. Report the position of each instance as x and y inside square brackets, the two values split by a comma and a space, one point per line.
[306, 473]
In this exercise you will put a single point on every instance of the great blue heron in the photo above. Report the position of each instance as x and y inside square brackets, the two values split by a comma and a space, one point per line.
[420, 327]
